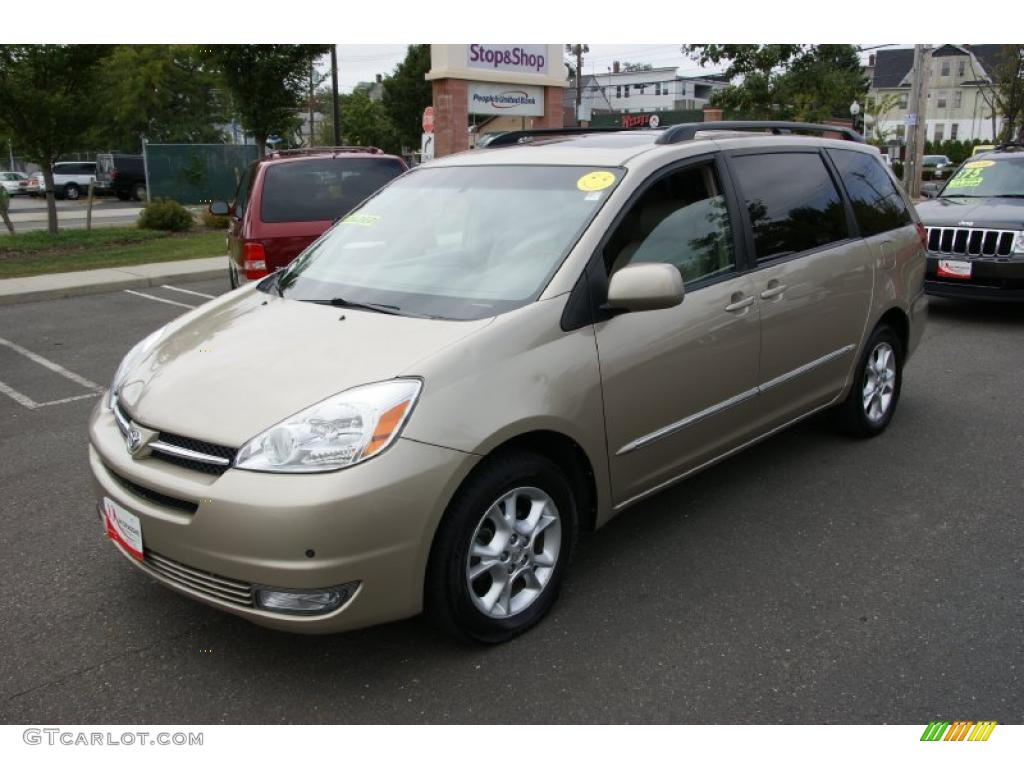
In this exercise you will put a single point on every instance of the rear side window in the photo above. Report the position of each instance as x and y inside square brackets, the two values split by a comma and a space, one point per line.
[324, 189]
[792, 201]
[242, 193]
[876, 203]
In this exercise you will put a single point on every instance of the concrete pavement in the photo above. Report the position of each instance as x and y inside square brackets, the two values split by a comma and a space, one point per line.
[21, 290]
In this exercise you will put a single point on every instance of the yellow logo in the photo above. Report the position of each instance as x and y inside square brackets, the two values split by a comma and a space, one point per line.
[595, 181]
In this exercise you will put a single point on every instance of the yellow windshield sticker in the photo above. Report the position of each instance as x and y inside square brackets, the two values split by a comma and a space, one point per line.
[361, 219]
[595, 181]
[969, 175]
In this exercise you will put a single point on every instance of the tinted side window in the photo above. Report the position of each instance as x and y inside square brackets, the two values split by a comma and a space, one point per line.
[681, 220]
[794, 205]
[242, 193]
[876, 203]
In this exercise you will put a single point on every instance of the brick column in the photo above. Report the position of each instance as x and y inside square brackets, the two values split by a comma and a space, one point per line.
[712, 114]
[554, 114]
[451, 116]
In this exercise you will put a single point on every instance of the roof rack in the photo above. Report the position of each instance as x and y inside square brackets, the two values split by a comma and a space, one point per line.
[688, 131]
[510, 138]
[1009, 145]
[323, 150]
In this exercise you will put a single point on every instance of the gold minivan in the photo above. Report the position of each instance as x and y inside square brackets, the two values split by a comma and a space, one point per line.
[501, 350]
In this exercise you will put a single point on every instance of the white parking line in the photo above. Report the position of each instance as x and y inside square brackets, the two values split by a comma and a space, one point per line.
[67, 399]
[162, 301]
[51, 365]
[17, 397]
[186, 290]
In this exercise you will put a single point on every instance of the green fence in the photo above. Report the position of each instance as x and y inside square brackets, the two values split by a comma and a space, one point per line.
[196, 174]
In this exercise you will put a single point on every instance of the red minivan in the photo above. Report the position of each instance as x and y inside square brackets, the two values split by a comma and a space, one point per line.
[288, 199]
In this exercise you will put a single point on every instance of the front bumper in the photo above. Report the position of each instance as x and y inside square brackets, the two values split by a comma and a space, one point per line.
[991, 279]
[372, 524]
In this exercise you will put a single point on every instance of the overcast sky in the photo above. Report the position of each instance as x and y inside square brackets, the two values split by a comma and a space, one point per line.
[360, 63]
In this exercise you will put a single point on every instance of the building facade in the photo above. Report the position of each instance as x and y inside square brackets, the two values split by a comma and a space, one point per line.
[958, 82]
[660, 89]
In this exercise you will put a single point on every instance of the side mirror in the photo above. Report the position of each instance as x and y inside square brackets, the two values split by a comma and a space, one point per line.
[642, 287]
[219, 208]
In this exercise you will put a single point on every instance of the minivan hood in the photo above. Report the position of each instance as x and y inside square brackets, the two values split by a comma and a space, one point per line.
[243, 362]
[982, 212]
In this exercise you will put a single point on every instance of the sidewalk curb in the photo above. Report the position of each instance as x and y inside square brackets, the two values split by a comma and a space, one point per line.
[64, 285]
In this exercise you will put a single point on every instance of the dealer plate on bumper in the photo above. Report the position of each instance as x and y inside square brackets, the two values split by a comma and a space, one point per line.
[124, 528]
[954, 268]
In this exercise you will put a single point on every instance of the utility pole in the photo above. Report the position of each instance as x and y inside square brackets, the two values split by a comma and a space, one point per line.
[578, 50]
[916, 129]
[334, 95]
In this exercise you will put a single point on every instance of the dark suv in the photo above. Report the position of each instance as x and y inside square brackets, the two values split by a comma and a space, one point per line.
[124, 175]
[976, 229]
[287, 200]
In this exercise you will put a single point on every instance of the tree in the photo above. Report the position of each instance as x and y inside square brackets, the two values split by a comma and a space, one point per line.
[48, 100]
[167, 93]
[876, 110]
[364, 123]
[267, 85]
[407, 94]
[802, 82]
[1006, 93]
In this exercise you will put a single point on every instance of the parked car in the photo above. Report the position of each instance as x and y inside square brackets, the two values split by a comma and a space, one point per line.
[70, 180]
[976, 229]
[499, 350]
[14, 182]
[287, 200]
[122, 175]
[936, 167]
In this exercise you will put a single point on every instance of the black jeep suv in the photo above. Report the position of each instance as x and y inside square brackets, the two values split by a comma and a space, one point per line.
[976, 229]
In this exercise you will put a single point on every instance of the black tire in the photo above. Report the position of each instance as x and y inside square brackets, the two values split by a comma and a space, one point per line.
[447, 599]
[232, 275]
[124, 195]
[139, 192]
[852, 417]
[71, 192]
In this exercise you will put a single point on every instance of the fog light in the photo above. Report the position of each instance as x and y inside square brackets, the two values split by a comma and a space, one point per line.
[282, 600]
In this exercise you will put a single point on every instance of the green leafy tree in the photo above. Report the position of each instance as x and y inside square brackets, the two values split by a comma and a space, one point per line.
[876, 111]
[1008, 90]
[406, 95]
[167, 93]
[267, 85]
[788, 82]
[364, 122]
[48, 100]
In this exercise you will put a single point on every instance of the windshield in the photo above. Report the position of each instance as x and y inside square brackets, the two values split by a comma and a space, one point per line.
[459, 243]
[987, 178]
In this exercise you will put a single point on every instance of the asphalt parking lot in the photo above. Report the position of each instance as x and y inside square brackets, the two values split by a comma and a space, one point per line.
[812, 579]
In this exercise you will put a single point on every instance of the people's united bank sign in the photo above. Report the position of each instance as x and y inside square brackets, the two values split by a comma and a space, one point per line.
[500, 99]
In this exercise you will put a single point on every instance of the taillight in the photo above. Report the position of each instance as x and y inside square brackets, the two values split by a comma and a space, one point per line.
[922, 233]
[113, 175]
[254, 261]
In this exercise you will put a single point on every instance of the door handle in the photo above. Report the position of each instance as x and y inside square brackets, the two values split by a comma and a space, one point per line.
[739, 304]
[775, 288]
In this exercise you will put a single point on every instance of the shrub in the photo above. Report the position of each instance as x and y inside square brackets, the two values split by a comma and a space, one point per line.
[166, 215]
[212, 221]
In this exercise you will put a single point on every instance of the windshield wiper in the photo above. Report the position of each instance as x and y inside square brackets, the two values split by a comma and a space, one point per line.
[338, 301]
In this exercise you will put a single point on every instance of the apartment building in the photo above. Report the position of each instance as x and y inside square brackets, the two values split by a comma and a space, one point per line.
[958, 79]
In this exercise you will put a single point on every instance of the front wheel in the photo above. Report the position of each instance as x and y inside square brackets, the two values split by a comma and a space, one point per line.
[71, 191]
[139, 192]
[869, 407]
[502, 550]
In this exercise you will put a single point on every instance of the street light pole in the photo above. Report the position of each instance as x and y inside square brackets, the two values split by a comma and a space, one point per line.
[334, 95]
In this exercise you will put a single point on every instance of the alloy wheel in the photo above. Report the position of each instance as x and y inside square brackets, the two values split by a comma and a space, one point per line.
[513, 552]
[879, 382]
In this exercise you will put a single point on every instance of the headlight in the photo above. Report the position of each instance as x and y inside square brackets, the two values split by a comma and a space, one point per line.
[1018, 243]
[340, 431]
[134, 356]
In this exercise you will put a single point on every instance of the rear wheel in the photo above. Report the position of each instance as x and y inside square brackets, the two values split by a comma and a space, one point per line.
[502, 550]
[869, 407]
[232, 274]
[139, 192]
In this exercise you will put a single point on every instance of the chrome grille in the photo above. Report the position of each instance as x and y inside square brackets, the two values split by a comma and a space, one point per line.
[209, 584]
[197, 455]
[971, 243]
